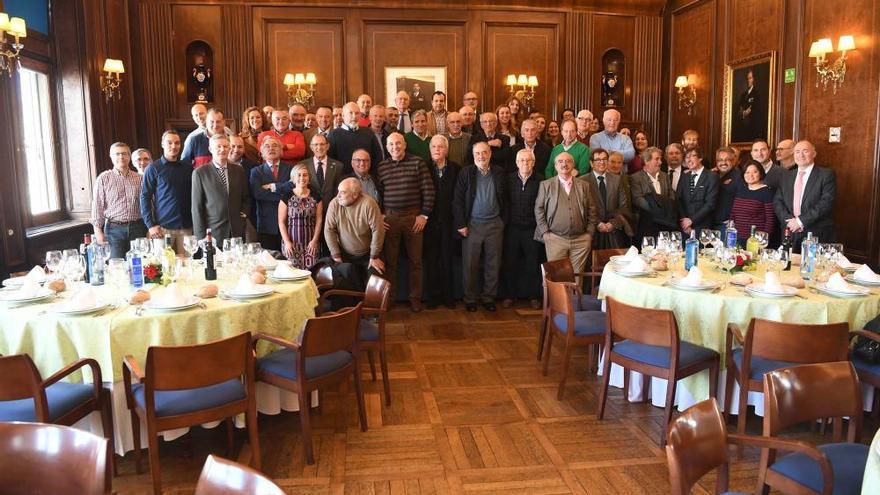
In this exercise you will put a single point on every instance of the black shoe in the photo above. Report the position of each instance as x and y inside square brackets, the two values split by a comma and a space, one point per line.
[490, 306]
[471, 307]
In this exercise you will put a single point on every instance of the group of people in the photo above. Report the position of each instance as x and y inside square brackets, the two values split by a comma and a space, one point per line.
[356, 182]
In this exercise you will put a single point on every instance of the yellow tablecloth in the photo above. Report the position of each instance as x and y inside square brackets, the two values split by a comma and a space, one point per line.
[703, 316]
[54, 341]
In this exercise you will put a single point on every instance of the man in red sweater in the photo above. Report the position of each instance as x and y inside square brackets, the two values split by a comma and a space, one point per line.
[292, 142]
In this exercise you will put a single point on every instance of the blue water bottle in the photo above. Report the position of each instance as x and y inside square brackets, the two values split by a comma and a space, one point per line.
[691, 251]
[136, 266]
[731, 233]
[809, 250]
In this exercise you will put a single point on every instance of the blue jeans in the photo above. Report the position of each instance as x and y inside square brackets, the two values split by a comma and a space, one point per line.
[120, 235]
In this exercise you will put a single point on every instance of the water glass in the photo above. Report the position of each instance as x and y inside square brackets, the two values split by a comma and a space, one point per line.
[676, 240]
[705, 238]
[53, 261]
[648, 244]
[762, 237]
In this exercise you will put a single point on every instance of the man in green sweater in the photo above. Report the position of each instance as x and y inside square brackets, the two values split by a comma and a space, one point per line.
[418, 142]
[570, 144]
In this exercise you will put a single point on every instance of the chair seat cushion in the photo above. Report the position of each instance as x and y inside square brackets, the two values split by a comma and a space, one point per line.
[62, 398]
[175, 402]
[585, 322]
[589, 302]
[659, 356]
[847, 465]
[865, 366]
[283, 363]
[760, 366]
[368, 330]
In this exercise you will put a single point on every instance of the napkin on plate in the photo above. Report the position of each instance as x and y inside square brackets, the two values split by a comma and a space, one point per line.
[28, 289]
[636, 265]
[37, 274]
[836, 282]
[843, 261]
[864, 273]
[772, 284]
[694, 277]
[631, 253]
[85, 298]
[284, 270]
[171, 296]
[266, 259]
[245, 285]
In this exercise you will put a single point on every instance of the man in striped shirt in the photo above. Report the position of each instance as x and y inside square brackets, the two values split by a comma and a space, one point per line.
[116, 214]
[408, 200]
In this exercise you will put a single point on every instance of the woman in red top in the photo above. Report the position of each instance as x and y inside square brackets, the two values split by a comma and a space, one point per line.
[640, 143]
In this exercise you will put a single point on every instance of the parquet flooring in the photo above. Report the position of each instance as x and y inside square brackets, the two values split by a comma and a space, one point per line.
[470, 414]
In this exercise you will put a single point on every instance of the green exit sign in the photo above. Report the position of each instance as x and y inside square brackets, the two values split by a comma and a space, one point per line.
[789, 75]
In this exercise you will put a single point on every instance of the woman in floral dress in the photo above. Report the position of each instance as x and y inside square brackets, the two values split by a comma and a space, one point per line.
[299, 220]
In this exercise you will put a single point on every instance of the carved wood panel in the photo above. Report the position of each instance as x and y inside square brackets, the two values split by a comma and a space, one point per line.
[691, 53]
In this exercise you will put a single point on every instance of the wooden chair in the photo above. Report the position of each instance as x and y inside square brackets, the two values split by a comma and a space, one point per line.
[25, 396]
[579, 328]
[771, 345]
[224, 477]
[41, 458]
[327, 353]
[807, 393]
[869, 373]
[598, 259]
[561, 270]
[698, 442]
[375, 299]
[647, 341]
[191, 385]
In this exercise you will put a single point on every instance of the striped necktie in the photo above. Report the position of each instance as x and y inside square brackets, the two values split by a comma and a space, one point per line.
[693, 183]
[223, 178]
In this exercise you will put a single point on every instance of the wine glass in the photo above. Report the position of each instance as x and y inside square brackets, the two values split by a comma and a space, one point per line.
[74, 268]
[705, 238]
[648, 243]
[676, 240]
[727, 260]
[53, 261]
[717, 241]
[762, 237]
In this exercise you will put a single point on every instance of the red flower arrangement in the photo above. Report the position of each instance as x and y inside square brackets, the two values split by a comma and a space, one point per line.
[153, 274]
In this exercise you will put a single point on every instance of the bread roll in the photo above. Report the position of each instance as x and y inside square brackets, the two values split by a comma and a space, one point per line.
[260, 269]
[207, 291]
[139, 296]
[741, 279]
[659, 265]
[258, 278]
[57, 285]
[793, 280]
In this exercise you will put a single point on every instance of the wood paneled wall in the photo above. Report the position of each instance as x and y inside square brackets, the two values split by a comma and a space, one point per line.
[705, 35]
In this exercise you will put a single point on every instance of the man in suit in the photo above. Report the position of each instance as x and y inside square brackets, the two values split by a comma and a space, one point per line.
[673, 168]
[220, 194]
[698, 195]
[344, 140]
[325, 173]
[612, 205]
[772, 172]
[804, 201]
[458, 139]
[441, 243]
[360, 162]
[653, 197]
[472, 100]
[529, 132]
[270, 183]
[468, 121]
[521, 272]
[499, 144]
[565, 213]
[403, 122]
[324, 117]
[378, 128]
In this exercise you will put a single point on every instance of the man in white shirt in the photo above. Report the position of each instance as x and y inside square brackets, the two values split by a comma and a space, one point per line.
[772, 171]
[674, 159]
[805, 199]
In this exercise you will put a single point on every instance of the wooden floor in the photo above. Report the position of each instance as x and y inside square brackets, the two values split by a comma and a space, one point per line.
[470, 413]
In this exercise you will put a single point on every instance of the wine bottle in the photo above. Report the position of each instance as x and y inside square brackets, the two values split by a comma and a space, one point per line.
[169, 257]
[210, 271]
[786, 247]
[752, 244]
[95, 264]
[84, 252]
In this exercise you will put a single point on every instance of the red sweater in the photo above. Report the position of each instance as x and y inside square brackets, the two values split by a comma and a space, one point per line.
[293, 142]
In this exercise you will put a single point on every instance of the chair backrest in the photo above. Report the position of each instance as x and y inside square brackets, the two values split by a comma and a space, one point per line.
[334, 332]
[643, 325]
[19, 378]
[377, 294]
[41, 458]
[323, 276]
[796, 342]
[812, 391]
[559, 270]
[195, 366]
[600, 257]
[697, 444]
[223, 477]
[560, 295]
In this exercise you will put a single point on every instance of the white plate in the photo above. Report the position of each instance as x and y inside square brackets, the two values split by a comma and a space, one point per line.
[154, 305]
[9, 298]
[859, 291]
[288, 279]
[19, 281]
[61, 310]
[706, 285]
[620, 259]
[261, 291]
[620, 272]
[297, 274]
[758, 290]
[868, 283]
[851, 267]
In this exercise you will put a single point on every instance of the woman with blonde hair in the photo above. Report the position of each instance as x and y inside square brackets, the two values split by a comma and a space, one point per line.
[252, 124]
[506, 124]
[300, 216]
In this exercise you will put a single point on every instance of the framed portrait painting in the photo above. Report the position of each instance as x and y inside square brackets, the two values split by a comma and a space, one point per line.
[749, 99]
[419, 82]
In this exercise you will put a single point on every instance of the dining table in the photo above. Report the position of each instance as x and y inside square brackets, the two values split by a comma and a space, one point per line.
[53, 339]
[703, 315]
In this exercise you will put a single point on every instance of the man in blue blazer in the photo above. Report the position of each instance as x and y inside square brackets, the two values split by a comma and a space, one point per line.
[270, 185]
[697, 194]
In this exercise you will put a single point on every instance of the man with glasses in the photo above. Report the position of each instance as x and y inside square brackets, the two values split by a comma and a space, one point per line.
[520, 273]
[583, 120]
[116, 216]
[697, 196]
[612, 204]
[785, 154]
[499, 144]
[270, 184]
[354, 232]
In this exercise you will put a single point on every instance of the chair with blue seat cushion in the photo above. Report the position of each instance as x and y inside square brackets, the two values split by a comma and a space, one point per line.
[327, 353]
[804, 394]
[771, 345]
[561, 270]
[371, 331]
[697, 443]
[191, 385]
[647, 341]
[25, 396]
[869, 372]
[578, 328]
[223, 477]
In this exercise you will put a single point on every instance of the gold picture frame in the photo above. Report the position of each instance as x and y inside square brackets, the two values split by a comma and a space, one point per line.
[748, 111]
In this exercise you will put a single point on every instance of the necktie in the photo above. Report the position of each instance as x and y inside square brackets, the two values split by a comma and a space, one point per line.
[320, 171]
[223, 178]
[693, 183]
[275, 172]
[798, 192]
[603, 191]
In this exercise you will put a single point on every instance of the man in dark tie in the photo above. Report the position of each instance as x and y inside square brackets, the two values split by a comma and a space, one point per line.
[673, 168]
[652, 197]
[324, 118]
[612, 205]
[804, 201]
[220, 194]
[698, 195]
[269, 182]
[404, 123]
[325, 173]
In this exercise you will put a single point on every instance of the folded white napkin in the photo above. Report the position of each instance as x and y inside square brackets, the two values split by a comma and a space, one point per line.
[694, 277]
[245, 285]
[836, 282]
[284, 270]
[631, 253]
[37, 274]
[843, 261]
[636, 265]
[172, 296]
[772, 283]
[84, 298]
[866, 274]
[266, 259]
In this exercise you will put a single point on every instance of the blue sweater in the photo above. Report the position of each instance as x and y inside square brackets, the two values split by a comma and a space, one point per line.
[166, 194]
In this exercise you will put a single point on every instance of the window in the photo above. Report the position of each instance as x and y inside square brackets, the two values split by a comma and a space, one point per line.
[38, 138]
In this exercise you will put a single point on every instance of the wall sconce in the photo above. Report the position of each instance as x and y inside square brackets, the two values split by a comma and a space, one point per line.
[832, 72]
[11, 51]
[526, 93]
[110, 82]
[299, 94]
[687, 94]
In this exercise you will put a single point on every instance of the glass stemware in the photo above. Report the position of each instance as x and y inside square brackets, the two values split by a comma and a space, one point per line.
[705, 238]
[648, 243]
[53, 261]
[762, 237]
[727, 260]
